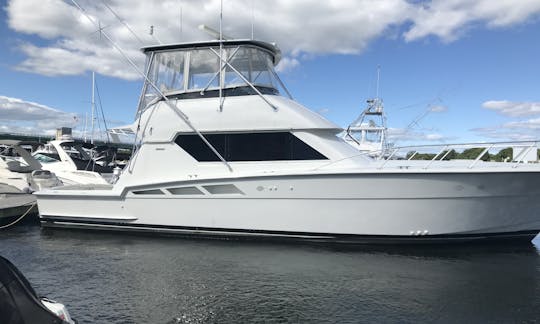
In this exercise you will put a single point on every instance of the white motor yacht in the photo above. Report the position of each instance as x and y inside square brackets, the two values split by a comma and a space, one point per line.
[221, 152]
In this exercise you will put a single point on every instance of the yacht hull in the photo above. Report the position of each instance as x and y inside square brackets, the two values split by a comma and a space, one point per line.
[362, 208]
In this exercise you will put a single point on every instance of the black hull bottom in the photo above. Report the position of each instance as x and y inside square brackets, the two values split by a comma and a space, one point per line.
[241, 234]
[12, 219]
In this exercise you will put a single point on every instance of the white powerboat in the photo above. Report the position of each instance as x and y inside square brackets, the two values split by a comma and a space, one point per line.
[20, 174]
[221, 152]
[21, 170]
[70, 162]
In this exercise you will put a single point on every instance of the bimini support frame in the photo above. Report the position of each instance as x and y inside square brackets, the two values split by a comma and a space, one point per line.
[244, 79]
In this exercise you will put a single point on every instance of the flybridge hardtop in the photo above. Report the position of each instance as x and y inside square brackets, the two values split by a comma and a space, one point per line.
[273, 49]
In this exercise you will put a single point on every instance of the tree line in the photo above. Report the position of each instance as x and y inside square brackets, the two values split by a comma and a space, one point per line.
[505, 154]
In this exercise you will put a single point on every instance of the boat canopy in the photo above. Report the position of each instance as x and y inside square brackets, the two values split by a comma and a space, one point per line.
[194, 70]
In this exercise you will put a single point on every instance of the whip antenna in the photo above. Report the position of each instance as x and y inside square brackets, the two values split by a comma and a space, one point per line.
[252, 19]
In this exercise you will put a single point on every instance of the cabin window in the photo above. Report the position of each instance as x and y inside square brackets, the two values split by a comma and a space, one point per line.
[254, 65]
[282, 146]
[43, 158]
[167, 73]
[203, 67]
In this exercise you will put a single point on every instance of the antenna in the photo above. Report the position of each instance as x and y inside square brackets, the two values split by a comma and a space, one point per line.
[252, 19]
[181, 20]
[221, 56]
[378, 79]
[221, 21]
[151, 32]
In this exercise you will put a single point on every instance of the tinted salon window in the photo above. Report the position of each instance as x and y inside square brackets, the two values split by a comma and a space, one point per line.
[249, 147]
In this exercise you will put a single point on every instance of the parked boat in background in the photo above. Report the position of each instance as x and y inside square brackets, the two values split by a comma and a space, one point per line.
[71, 162]
[368, 132]
[20, 175]
[19, 169]
[14, 203]
[221, 153]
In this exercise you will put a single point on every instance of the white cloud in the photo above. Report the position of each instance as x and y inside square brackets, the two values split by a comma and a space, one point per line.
[500, 134]
[287, 64]
[448, 19]
[72, 45]
[520, 130]
[513, 109]
[18, 115]
[438, 109]
[299, 27]
[513, 130]
[411, 135]
[533, 124]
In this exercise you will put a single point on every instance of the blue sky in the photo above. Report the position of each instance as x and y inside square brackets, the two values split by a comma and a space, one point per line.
[474, 64]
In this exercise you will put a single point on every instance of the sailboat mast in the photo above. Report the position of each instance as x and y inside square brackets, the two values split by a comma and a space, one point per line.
[85, 125]
[93, 106]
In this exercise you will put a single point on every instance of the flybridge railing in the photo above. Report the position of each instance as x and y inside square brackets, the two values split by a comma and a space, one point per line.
[469, 155]
[516, 153]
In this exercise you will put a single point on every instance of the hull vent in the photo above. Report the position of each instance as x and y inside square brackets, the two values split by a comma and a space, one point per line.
[223, 189]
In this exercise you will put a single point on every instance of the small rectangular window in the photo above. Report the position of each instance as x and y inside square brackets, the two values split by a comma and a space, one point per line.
[223, 189]
[277, 146]
[185, 191]
[148, 192]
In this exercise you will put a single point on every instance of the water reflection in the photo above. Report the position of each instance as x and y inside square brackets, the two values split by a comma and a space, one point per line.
[105, 277]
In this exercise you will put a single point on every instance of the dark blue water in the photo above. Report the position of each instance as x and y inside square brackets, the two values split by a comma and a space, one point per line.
[112, 278]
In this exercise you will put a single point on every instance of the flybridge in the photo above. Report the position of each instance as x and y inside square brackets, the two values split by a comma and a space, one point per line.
[211, 69]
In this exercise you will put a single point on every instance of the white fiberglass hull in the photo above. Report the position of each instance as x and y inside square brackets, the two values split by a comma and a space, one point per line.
[382, 207]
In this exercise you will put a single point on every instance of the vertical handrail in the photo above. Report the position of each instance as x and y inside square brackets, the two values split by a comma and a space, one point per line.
[480, 156]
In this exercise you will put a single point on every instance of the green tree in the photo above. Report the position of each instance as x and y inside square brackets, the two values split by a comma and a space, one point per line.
[450, 156]
[420, 156]
[473, 153]
[504, 155]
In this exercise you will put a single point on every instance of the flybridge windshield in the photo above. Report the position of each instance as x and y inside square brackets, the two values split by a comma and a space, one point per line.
[185, 71]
